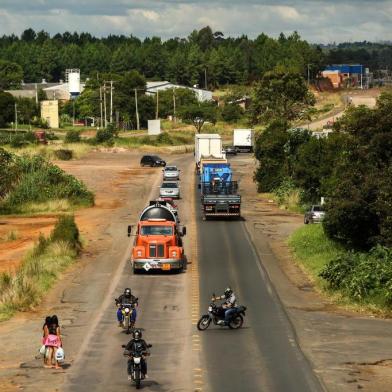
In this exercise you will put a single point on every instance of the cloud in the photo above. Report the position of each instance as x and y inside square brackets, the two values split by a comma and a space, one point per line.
[315, 20]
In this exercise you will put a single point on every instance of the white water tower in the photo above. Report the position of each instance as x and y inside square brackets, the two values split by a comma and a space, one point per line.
[72, 78]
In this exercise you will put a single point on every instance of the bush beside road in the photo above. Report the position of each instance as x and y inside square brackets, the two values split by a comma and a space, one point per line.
[40, 268]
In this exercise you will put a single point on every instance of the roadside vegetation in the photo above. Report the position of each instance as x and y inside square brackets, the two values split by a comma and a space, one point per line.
[350, 253]
[24, 289]
[33, 184]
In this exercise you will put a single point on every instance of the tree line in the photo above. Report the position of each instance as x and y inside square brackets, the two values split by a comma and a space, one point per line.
[204, 57]
[375, 56]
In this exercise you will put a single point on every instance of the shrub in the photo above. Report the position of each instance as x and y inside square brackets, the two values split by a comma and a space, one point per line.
[362, 276]
[232, 112]
[64, 154]
[40, 181]
[67, 231]
[165, 138]
[104, 136]
[72, 137]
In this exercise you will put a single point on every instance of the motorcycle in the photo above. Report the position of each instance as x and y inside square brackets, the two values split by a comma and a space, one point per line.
[127, 310]
[135, 364]
[216, 314]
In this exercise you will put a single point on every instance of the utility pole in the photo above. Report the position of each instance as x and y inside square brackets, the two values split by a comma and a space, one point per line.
[111, 101]
[100, 106]
[16, 116]
[205, 78]
[36, 94]
[157, 111]
[137, 112]
[73, 111]
[308, 75]
[174, 106]
[104, 104]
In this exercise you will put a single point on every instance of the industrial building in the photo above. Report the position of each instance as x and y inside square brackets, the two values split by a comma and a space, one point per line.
[347, 75]
[153, 87]
[63, 91]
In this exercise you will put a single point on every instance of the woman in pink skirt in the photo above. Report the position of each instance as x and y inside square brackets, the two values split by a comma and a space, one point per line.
[53, 341]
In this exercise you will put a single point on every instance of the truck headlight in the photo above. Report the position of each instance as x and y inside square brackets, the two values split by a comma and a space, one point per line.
[174, 253]
[139, 253]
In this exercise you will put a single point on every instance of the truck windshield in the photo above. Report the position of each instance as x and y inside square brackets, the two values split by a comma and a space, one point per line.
[157, 230]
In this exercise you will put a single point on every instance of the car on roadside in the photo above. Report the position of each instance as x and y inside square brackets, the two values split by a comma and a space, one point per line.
[169, 189]
[315, 214]
[231, 150]
[152, 161]
[171, 173]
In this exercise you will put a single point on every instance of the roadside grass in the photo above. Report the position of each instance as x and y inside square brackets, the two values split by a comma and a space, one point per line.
[35, 184]
[313, 250]
[51, 206]
[79, 150]
[358, 281]
[10, 236]
[174, 138]
[40, 268]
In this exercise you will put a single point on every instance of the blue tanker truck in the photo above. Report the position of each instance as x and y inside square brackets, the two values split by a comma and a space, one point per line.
[219, 193]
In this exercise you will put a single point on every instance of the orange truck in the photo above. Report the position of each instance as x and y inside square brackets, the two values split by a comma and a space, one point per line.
[158, 241]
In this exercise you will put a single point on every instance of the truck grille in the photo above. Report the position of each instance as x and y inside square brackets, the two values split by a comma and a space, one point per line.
[157, 250]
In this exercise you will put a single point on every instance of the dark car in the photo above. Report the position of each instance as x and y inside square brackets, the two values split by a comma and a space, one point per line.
[231, 150]
[152, 160]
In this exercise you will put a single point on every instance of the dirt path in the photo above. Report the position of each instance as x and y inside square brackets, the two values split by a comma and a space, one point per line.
[349, 351]
[122, 189]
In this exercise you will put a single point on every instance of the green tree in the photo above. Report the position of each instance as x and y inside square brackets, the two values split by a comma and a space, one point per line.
[198, 114]
[11, 75]
[270, 153]
[7, 109]
[280, 94]
[180, 97]
[27, 109]
[232, 112]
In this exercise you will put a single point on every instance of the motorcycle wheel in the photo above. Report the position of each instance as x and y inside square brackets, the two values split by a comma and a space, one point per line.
[203, 323]
[137, 378]
[236, 322]
[126, 326]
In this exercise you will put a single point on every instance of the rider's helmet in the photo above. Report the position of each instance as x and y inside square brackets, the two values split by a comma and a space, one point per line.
[228, 292]
[127, 292]
[137, 334]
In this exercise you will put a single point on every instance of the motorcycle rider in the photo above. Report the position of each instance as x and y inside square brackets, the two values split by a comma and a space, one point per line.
[228, 306]
[139, 345]
[126, 298]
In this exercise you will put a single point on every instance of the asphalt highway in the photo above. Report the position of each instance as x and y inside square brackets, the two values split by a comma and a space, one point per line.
[263, 355]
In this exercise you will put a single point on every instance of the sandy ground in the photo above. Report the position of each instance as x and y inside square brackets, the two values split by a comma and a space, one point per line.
[349, 351]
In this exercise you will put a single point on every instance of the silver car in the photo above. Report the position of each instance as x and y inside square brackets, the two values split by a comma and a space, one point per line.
[171, 173]
[169, 189]
[315, 214]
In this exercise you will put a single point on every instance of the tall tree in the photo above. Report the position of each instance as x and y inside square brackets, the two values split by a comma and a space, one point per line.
[280, 94]
[11, 75]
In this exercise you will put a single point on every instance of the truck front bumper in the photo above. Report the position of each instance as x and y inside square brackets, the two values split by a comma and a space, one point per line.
[158, 264]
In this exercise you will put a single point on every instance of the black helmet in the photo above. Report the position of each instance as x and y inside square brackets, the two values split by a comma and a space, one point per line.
[127, 292]
[137, 334]
[228, 292]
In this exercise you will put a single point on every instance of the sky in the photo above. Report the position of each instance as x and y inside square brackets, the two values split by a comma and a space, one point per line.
[317, 21]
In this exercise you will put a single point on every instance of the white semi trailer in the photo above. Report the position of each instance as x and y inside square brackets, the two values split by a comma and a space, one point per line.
[208, 145]
[243, 140]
